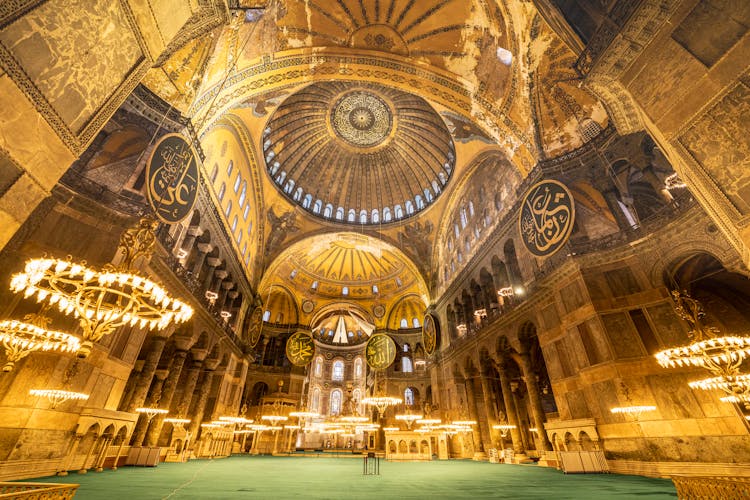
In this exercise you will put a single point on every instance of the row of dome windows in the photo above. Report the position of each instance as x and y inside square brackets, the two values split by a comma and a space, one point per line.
[336, 397]
[240, 186]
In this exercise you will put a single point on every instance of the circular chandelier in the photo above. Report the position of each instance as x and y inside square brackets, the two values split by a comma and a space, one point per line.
[304, 414]
[21, 339]
[178, 421]
[274, 419]
[721, 356]
[57, 396]
[409, 418]
[236, 420]
[102, 300]
[381, 402]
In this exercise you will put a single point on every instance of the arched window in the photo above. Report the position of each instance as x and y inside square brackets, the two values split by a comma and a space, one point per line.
[244, 248]
[408, 396]
[314, 285]
[464, 220]
[406, 365]
[229, 208]
[335, 403]
[398, 212]
[345, 290]
[428, 194]
[315, 401]
[289, 186]
[319, 367]
[338, 370]
[222, 191]
[275, 168]
[387, 214]
[471, 209]
[375, 216]
[357, 399]
[456, 230]
[450, 245]
[243, 193]
[230, 168]
[415, 322]
[307, 201]
[328, 211]
[363, 216]
[234, 224]
[318, 205]
[214, 173]
[340, 213]
[467, 245]
[298, 194]
[281, 178]
[358, 368]
[403, 323]
[237, 183]
[351, 215]
[419, 202]
[246, 211]
[436, 187]
[409, 207]
[443, 178]
[266, 315]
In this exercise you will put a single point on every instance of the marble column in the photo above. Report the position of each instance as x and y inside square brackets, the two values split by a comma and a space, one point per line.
[474, 405]
[154, 395]
[536, 402]
[212, 263]
[190, 382]
[204, 389]
[510, 410]
[224, 288]
[203, 250]
[170, 384]
[489, 407]
[146, 377]
[187, 245]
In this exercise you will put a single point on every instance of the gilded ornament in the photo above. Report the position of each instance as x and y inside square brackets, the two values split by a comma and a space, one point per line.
[172, 178]
[300, 349]
[547, 217]
[380, 351]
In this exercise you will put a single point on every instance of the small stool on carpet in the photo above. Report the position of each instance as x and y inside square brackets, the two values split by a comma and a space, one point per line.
[371, 465]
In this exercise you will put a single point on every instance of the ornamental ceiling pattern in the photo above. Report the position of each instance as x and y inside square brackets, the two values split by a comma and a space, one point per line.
[358, 153]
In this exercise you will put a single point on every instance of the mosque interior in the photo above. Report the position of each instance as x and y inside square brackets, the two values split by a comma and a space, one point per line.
[509, 231]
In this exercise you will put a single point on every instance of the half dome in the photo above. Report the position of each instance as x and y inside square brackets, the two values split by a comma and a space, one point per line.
[358, 153]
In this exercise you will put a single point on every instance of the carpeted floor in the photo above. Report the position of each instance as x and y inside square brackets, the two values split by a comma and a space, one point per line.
[341, 478]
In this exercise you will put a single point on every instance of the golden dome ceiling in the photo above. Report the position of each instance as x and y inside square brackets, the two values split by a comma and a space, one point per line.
[358, 153]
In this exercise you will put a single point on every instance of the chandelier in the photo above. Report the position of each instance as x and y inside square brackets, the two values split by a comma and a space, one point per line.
[381, 402]
[409, 418]
[504, 428]
[721, 356]
[304, 414]
[57, 396]
[177, 421]
[104, 299]
[636, 411]
[151, 412]
[22, 338]
[236, 420]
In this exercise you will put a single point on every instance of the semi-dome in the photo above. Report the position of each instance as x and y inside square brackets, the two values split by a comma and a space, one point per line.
[358, 153]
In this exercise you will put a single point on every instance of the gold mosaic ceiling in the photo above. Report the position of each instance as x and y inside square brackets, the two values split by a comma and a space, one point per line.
[358, 153]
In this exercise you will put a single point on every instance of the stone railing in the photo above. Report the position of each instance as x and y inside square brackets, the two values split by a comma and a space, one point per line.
[726, 488]
[33, 491]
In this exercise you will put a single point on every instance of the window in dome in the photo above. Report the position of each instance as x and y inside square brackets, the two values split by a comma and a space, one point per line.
[328, 211]
[230, 168]
[297, 194]
[243, 193]
[443, 178]
[409, 207]
[338, 370]
[428, 195]
[351, 215]
[317, 207]
[215, 173]
[419, 202]
[375, 216]
[229, 208]
[234, 223]
[237, 183]
[340, 213]
[375, 289]
[345, 290]
[436, 188]
[239, 236]
[275, 168]
[363, 216]
[450, 244]
[314, 285]
[307, 201]
[456, 230]
[464, 220]
[471, 209]
[244, 248]
[415, 323]
[398, 212]
[387, 214]
[403, 323]
[250, 228]
[222, 191]
[467, 245]
[266, 315]
[289, 186]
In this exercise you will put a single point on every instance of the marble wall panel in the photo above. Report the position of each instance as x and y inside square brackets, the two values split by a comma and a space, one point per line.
[719, 141]
[577, 405]
[621, 282]
[670, 329]
[75, 52]
[572, 296]
[622, 335]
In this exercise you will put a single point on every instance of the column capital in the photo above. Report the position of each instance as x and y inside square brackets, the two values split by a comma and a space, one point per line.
[204, 247]
[213, 262]
[195, 231]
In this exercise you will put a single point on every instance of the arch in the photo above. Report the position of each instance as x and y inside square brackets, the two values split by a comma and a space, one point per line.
[334, 405]
[337, 370]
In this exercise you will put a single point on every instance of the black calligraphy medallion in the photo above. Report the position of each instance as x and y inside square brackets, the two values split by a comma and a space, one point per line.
[300, 349]
[172, 178]
[255, 325]
[380, 351]
[430, 333]
[546, 219]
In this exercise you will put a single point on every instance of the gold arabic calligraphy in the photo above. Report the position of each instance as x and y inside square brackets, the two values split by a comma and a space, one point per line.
[300, 349]
[546, 218]
[172, 178]
[380, 351]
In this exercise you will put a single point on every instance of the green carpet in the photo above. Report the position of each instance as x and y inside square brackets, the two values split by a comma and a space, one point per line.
[338, 478]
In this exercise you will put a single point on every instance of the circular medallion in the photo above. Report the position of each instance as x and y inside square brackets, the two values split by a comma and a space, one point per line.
[378, 311]
[300, 349]
[546, 219]
[380, 351]
[430, 333]
[307, 306]
[172, 178]
[362, 119]
[254, 326]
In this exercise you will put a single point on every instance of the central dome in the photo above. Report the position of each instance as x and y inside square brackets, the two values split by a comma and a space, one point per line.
[358, 154]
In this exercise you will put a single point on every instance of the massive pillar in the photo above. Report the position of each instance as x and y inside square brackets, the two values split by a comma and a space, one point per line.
[165, 401]
[138, 397]
[139, 435]
[536, 402]
[510, 409]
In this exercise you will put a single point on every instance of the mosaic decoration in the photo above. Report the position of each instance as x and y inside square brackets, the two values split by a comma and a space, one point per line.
[380, 351]
[172, 178]
[430, 334]
[362, 119]
[300, 349]
[547, 216]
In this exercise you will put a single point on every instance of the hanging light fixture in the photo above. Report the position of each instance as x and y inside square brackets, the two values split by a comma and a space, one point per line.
[151, 412]
[409, 418]
[58, 396]
[21, 338]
